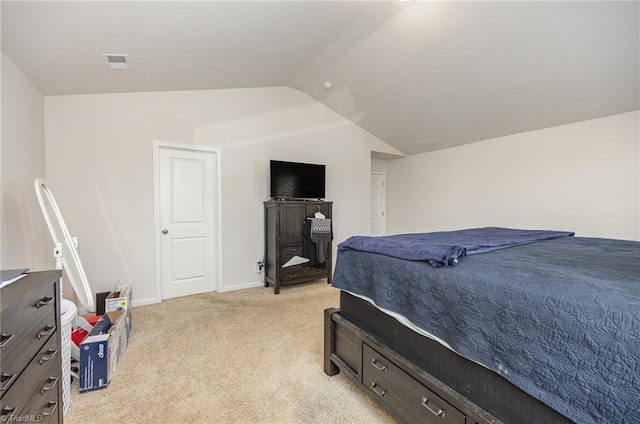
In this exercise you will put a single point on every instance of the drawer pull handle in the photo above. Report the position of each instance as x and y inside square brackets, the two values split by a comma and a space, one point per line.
[52, 354]
[44, 302]
[381, 393]
[7, 411]
[4, 339]
[438, 413]
[6, 380]
[380, 368]
[53, 405]
[54, 381]
[46, 333]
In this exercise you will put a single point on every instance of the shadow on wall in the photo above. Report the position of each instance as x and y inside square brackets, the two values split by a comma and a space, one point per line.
[115, 237]
[16, 234]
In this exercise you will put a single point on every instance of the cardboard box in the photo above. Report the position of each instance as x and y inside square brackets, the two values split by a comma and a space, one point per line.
[118, 299]
[102, 349]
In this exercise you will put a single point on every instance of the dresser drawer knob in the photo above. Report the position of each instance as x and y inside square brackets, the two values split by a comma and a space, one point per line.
[53, 381]
[380, 368]
[44, 302]
[51, 354]
[6, 380]
[438, 413]
[53, 405]
[5, 338]
[381, 393]
[49, 329]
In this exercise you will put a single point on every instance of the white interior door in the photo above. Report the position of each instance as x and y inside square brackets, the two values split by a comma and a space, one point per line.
[187, 184]
[378, 202]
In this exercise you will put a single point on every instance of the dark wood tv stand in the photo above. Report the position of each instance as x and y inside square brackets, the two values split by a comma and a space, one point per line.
[284, 225]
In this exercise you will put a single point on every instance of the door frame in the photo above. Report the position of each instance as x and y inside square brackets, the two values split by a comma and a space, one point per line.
[384, 200]
[217, 222]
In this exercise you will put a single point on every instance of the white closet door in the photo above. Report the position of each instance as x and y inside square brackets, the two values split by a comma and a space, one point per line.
[186, 188]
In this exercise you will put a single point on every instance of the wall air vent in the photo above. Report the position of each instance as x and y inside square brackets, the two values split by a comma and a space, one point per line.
[116, 61]
[427, 142]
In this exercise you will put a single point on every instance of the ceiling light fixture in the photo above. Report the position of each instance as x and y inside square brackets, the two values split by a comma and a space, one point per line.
[327, 85]
[116, 61]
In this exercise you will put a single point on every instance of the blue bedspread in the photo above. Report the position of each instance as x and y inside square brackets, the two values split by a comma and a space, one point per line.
[445, 248]
[558, 318]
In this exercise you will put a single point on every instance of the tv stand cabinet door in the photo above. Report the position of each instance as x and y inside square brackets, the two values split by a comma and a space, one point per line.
[291, 222]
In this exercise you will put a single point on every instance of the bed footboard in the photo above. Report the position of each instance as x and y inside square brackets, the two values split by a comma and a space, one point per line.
[408, 393]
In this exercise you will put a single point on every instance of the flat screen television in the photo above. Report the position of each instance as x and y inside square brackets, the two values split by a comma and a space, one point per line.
[293, 180]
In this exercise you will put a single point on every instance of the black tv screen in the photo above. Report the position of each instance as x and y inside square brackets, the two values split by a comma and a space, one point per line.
[293, 180]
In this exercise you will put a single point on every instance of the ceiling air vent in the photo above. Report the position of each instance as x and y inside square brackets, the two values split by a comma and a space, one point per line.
[427, 142]
[116, 61]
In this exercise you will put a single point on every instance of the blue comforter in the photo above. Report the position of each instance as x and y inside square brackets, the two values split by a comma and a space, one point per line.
[445, 248]
[558, 318]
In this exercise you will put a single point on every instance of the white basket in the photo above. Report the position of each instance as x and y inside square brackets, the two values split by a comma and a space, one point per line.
[68, 312]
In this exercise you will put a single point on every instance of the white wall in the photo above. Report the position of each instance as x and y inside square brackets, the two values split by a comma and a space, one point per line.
[379, 165]
[99, 166]
[25, 241]
[583, 177]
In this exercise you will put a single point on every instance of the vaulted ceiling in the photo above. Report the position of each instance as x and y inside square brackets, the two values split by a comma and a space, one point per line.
[455, 71]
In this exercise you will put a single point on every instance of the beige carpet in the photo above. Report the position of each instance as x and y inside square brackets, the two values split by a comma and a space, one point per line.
[242, 357]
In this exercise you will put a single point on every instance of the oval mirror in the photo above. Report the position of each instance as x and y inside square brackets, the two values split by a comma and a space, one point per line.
[60, 234]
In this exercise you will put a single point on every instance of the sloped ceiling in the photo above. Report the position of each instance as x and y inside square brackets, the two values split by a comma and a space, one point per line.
[455, 71]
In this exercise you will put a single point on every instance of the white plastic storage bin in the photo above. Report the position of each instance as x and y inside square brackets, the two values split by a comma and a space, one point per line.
[68, 313]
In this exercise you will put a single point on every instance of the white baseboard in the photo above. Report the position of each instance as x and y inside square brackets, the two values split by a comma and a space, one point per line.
[241, 286]
[144, 302]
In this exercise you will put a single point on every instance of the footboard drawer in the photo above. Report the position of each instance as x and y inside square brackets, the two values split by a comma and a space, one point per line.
[407, 397]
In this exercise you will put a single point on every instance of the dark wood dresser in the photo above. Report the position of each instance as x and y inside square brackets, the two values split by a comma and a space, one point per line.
[30, 362]
[284, 223]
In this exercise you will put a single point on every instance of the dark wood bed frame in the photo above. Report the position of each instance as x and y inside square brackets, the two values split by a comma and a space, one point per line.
[416, 379]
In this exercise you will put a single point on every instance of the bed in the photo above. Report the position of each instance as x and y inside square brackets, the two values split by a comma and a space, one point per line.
[542, 332]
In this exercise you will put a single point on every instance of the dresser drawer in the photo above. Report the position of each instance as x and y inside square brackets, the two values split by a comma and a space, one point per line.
[43, 403]
[31, 342]
[411, 401]
[288, 251]
[297, 271]
[43, 365]
[23, 321]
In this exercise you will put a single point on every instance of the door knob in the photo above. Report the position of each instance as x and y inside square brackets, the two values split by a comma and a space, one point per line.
[165, 231]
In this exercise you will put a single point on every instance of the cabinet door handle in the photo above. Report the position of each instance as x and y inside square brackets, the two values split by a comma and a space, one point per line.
[5, 338]
[44, 302]
[380, 368]
[54, 381]
[381, 393]
[49, 329]
[438, 413]
[53, 405]
[7, 411]
[6, 380]
[52, 354]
